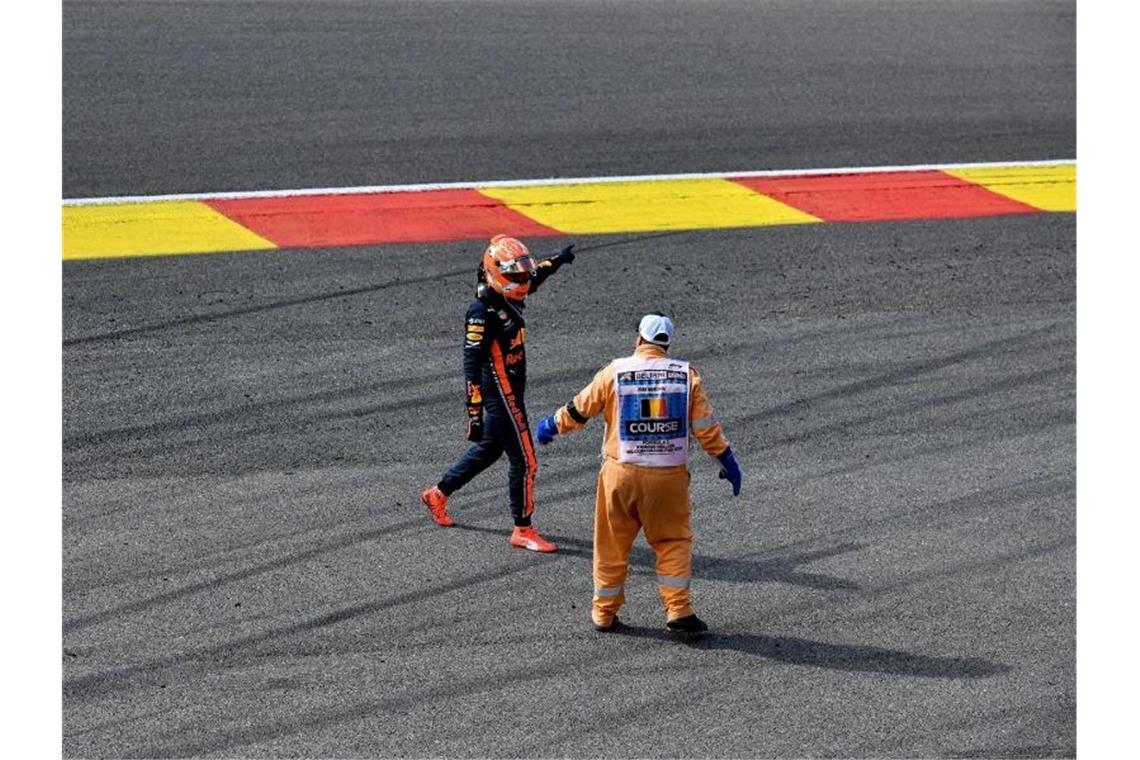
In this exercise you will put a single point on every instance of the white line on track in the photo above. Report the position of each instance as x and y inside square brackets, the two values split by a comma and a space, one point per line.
[537, 182]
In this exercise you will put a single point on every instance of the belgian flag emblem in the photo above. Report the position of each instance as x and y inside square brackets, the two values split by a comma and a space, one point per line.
[654, 408]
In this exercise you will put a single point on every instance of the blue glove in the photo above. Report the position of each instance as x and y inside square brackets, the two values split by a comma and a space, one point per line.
[730, 470]
[546, 430]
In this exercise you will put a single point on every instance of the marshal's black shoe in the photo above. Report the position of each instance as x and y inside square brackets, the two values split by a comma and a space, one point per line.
[614, 625]
[690, 624]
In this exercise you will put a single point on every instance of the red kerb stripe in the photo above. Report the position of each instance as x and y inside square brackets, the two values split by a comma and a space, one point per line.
[309, 221]
[885, 196]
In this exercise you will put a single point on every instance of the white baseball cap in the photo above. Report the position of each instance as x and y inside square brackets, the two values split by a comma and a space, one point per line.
[656, 329]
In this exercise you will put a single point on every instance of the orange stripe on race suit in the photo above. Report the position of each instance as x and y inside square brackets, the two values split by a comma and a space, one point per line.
[499, 366]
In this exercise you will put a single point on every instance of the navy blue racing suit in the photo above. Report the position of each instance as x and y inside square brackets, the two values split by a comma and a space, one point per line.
[494, 368]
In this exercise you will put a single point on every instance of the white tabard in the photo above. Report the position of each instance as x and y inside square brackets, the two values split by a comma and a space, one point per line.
[653, 411]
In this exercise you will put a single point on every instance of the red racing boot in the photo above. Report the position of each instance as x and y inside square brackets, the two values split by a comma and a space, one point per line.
[527, 538]
[436, 502]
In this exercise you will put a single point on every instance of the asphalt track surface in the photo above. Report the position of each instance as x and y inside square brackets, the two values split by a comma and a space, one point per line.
[165, 97]
[247, 570]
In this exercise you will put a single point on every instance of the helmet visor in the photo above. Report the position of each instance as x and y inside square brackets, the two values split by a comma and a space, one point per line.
[518, 270]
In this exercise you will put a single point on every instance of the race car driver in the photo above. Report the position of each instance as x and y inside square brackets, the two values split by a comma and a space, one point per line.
[494, 369]
[652, 405]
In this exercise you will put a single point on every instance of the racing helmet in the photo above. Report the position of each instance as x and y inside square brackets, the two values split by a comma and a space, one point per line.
[508, 267]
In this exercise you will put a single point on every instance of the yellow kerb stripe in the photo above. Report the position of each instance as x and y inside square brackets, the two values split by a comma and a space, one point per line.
[152, 229]
[1049, 188]
[594, 208]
